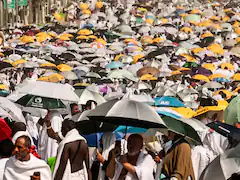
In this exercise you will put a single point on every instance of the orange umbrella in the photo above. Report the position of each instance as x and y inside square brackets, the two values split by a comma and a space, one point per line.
[147, 70]
[236, 77]
[209, 66]
[201, 77]
[229, 66]
[64, 67]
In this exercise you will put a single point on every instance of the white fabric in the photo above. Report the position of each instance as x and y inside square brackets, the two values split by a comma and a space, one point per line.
[19, 134]
[144, 168]
[79, 175]
[71, 136]
[31, 126]
[108, 140]
[200, 160]
[3, 162]
[18, 170]
[47, 147]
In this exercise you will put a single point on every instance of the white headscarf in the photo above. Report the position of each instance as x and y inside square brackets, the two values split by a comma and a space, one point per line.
[108, 141]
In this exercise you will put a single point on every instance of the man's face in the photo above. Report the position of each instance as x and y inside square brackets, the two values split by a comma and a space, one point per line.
[75, 110]
[20, 151]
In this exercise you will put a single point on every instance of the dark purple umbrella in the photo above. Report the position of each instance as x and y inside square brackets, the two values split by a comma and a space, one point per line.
[209, 59]
[200, 70]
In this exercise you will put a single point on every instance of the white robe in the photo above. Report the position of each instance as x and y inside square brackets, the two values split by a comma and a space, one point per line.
[144, 168]
[71, 136]
[47, 147]
[19, 170]
[3, 162]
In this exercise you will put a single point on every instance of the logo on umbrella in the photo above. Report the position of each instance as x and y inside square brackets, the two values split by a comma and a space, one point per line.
[38, 102]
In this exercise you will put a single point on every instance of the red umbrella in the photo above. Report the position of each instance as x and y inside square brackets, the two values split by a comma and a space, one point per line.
[5, 130]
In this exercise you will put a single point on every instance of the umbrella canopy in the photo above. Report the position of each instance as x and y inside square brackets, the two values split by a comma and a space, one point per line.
[167, 101]
[69, 75]
[40, 102]
[114, 65]
[12, 109]
[49, 90]
[128, 113]
[213, 84]
[182, 128]
[86, 95]
[223, 166]
[86, 126]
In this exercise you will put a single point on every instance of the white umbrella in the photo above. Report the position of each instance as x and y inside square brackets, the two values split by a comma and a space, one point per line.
[49, 90]
[113, 95]
[223, 166]
[213, 84]
[69, 75]
[142, 86]
[86, 95]
[12, 109]
[121, 74]
[93, 75]
[144, 98]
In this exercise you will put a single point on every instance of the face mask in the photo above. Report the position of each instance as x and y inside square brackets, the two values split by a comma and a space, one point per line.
[167, 146]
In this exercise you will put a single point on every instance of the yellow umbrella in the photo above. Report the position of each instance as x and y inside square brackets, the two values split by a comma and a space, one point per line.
[208, 34]
[209, 66]
[86, 11]
[206, 109]
[216, 48]
[177, 72]
[47, 65]
[158, 40]
[213, 76]
[83, 6]
[82, 84]
[52, 78]
[201, 77]
[41, 34]
[236, 24]
[186, 112]
[237, 30]
[184, 69]
[92, 37]
[137, 57]
[148, 77]
[85, 32]
[236, 77]
[41, 38]
[101, 41]
[164, 21]
[205, 23]
[27, 39]
[1, 54]
[64, 67]
[99, 4]
[186, 30]
[195, 11]
[58, 16]
[64, 38]
[129, 40]
[229, 66]
[216, 26]
[215, 18]
[238, 39]
[236, 90]
[225, 18]
[223, 104]
[189, 57]
[226, 92]
[67, 35]
[197, 50]
[83, 37]
[52, 34]
[142, 9]
[117, 57]
[3, 87]
[17, 62]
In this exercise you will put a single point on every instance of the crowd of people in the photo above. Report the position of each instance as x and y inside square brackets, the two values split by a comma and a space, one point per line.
[181, 58]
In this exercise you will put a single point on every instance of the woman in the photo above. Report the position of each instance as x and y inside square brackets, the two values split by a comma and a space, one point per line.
[177, 162]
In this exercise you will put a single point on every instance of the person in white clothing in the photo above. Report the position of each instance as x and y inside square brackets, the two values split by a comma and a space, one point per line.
[23, 164]
[135, 165]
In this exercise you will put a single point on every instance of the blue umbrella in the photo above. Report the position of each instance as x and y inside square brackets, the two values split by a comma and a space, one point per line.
[92, 141]
[221, 80]
[167, 112]
[114, 65]
[167, 101]
[130, 129]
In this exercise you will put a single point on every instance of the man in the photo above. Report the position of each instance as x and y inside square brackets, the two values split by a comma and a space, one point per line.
[135, 165]
[47, 147]
[23, 164]
[73, 155]
[74, 110]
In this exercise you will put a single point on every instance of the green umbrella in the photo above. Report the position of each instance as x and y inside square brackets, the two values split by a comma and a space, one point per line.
[190, 65]
[193, 18]
[232, 113]
[180, 127]
[40, 102]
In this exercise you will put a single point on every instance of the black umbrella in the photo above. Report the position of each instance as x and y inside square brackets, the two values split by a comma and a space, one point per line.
[86, 126]
[229, 131]
[4, 65]
[127, 112]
